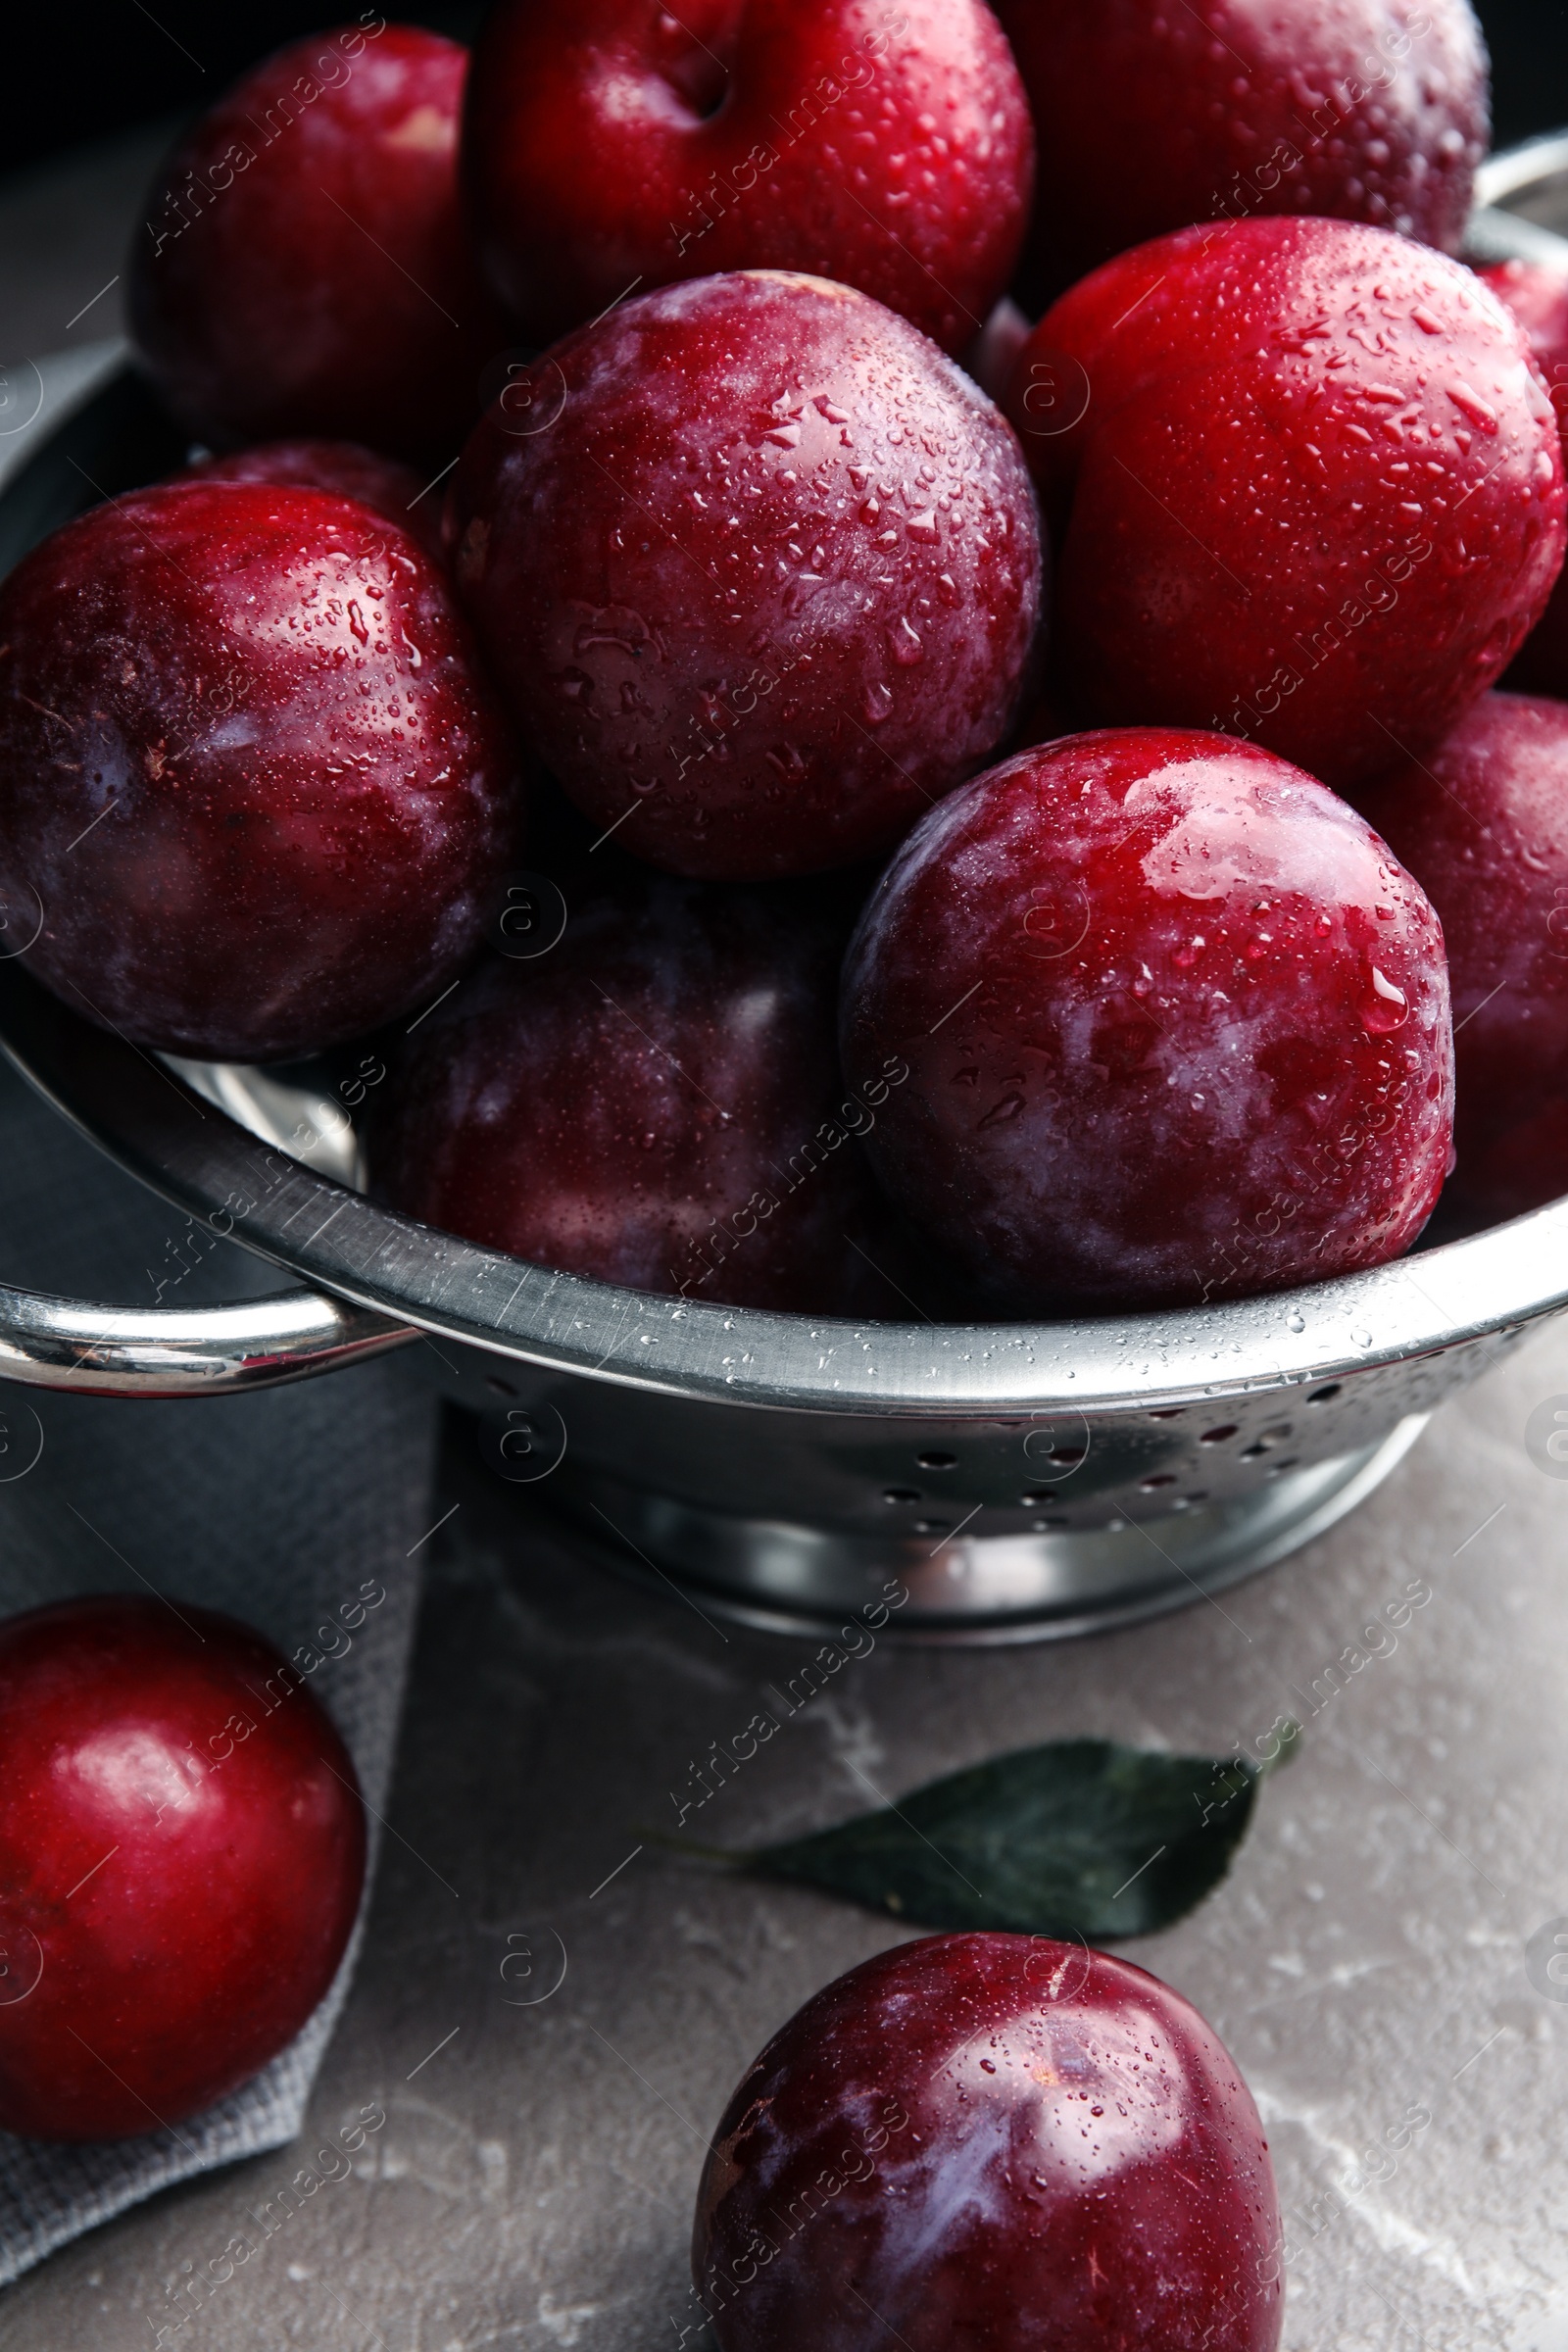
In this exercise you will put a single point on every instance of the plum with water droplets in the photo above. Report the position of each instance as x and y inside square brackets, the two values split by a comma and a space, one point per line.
[345, 468]
[991, 2143]
[613, 146]
[306, 264]
[1482, 822]
[758, 569]
[250, 775]
[1151, 115]
[1538, 297]
[1177, 1024]
[1309, 488]
[654, 1102]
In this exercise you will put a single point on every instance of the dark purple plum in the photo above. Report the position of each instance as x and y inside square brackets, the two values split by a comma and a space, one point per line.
[654, 1102]
[1178, 1024]
[251, 778]
[991, 2143]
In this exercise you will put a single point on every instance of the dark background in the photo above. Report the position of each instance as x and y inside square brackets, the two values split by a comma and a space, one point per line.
[74, 73]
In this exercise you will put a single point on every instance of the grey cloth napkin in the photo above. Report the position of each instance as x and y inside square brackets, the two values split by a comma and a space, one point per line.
[274, 1508]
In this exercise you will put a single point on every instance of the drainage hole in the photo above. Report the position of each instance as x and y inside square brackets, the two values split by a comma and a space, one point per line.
[901, 1494]
[937, 1461]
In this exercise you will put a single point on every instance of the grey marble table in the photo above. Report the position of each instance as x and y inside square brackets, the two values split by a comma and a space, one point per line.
[552, 2018]
[552, 2027]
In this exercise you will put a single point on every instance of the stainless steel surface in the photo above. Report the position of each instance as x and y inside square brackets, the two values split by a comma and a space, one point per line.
[185, 1352]
[1062, 1474]
[972, 1592]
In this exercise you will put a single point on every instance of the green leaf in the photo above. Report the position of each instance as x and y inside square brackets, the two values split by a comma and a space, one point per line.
[1078, 1838]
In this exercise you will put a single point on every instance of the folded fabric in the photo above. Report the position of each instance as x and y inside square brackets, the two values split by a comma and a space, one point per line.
[275, 1507]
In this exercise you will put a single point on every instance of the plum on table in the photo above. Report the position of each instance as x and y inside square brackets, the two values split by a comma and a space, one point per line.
[181, 1857]
[991, 2143]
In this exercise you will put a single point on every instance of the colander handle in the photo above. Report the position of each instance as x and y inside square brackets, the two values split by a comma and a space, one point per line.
[92, 1350]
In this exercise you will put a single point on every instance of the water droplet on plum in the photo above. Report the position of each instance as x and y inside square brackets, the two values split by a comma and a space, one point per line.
[1387, 1007]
